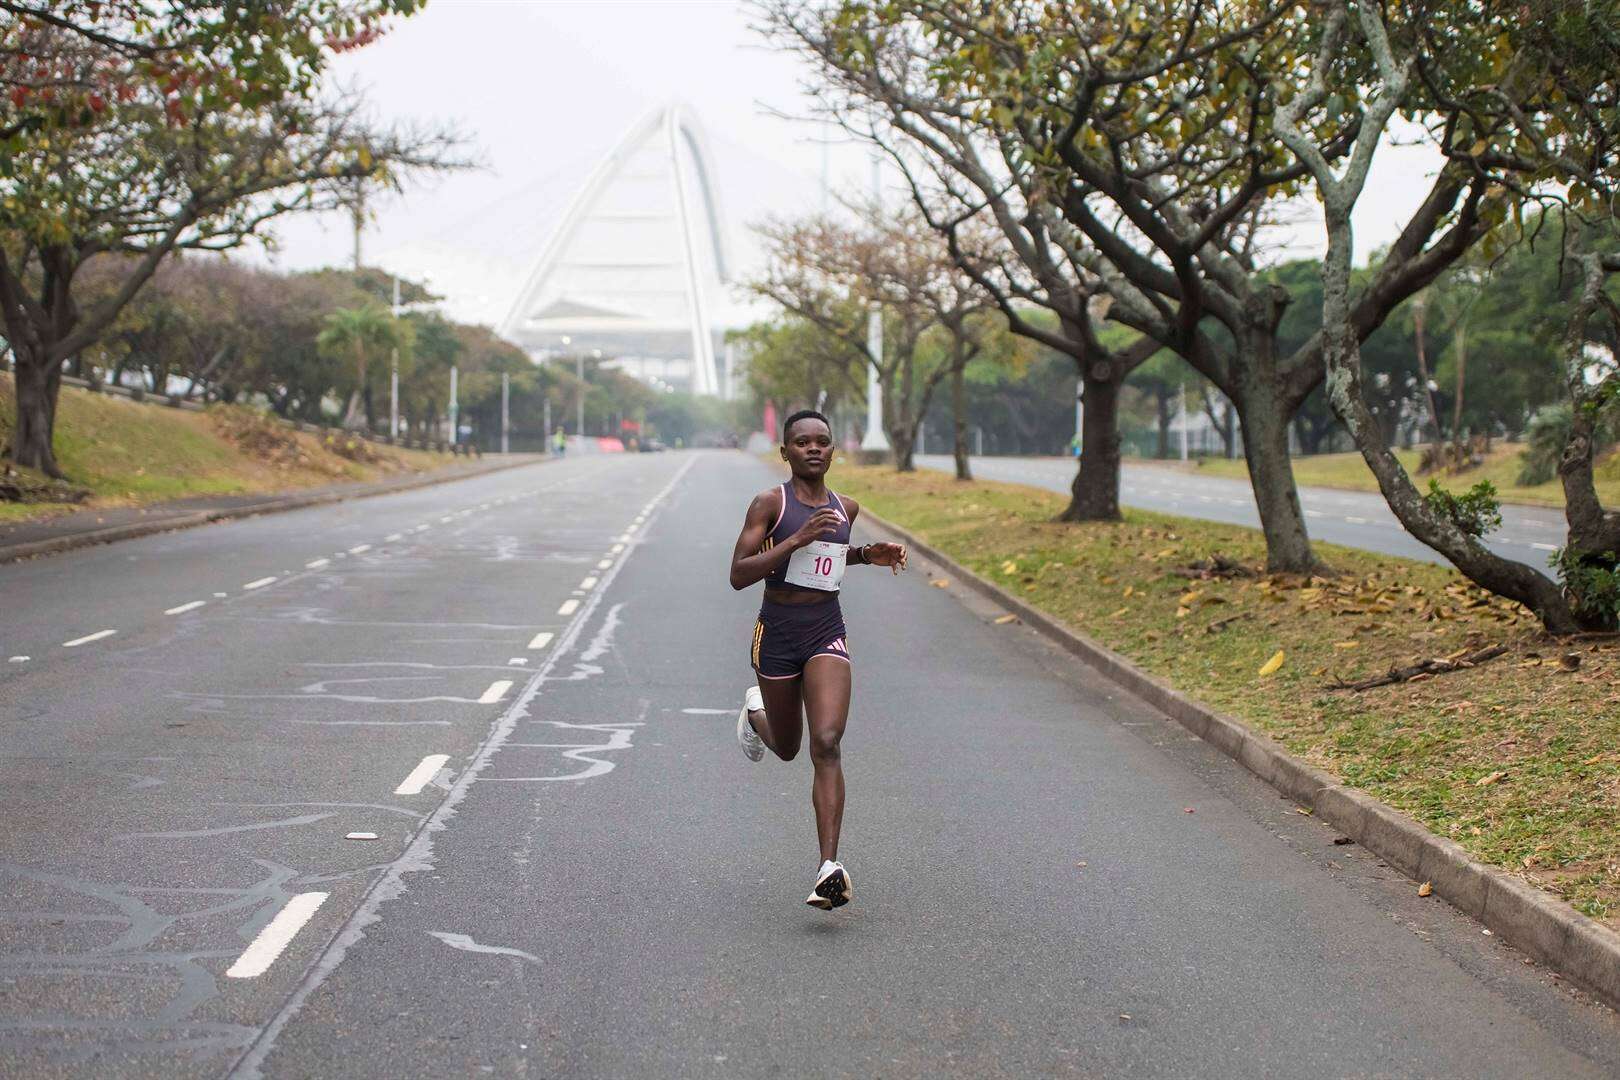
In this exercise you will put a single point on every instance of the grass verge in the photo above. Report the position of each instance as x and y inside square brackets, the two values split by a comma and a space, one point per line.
[1501, 468]
[1517, 759]
[129, 453]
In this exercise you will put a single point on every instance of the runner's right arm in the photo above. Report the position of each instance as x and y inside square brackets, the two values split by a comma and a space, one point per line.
[748, 563]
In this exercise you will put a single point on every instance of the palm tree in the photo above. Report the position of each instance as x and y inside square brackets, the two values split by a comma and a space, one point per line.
[358, 333]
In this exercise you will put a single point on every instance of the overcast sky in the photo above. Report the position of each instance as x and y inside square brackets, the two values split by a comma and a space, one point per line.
[541, 89]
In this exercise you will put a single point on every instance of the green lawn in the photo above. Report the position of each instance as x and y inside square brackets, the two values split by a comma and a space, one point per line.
[1517, 759]
[1501, 468]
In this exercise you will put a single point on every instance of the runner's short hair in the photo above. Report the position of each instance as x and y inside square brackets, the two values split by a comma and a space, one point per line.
[802, 414]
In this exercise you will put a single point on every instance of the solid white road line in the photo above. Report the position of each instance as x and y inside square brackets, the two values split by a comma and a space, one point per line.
[261, 583]
[316, 564]
[568, 607]
[88, 638]
[427, 770]
[604, 564]
[359, 549]
[183, 608]
[589, 583]
[496, 691]
[541, 640]
[257, 957]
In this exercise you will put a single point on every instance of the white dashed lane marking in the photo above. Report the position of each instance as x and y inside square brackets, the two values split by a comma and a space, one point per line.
[391, 537]
[541, 640]
[588, 583]
[183, 608]
[359, 549]
[258, 956]
[261, 583]
[419, 777]
[496, 691]
[604, 564]
[568, 607]
[316, 564]
[88, 638]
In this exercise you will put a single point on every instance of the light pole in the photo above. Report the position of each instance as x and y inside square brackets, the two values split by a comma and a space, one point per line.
[875, 441]
[393, 375]
[506, 411]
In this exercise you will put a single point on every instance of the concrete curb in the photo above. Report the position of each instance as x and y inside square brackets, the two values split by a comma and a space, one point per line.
[1537, 922]
[113, 533]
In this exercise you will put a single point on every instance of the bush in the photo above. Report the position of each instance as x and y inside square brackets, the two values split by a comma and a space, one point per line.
[1476, 511]
[1549, 431]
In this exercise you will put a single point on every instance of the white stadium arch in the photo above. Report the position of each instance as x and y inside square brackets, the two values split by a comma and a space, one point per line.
[638, 263]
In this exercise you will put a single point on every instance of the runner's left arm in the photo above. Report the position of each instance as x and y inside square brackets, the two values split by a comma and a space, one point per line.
[876, 554]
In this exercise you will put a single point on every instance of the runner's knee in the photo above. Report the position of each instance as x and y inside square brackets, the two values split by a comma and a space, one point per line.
[824, 745]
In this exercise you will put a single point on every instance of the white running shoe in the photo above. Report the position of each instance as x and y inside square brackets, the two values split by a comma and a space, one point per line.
[832, 889]
[753, 747]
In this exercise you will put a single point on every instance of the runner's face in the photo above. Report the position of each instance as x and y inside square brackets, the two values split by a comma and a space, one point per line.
[808, 449]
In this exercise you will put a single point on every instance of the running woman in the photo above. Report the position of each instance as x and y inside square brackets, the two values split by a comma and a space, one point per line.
[796, 540]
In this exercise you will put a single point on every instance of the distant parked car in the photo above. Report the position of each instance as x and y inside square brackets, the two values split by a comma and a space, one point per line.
[652, 446]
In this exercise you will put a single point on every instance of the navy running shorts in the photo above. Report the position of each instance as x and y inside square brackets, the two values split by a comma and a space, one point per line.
[788, 635]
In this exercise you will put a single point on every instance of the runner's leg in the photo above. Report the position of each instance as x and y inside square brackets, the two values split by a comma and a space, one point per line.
[781, 729]
[826, 701]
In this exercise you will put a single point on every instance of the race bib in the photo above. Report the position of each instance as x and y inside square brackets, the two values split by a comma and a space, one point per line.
[817, 565]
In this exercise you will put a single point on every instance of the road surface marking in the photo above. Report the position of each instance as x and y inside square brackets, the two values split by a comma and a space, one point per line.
[568, 607]
[615, 549]
[496, 691]
[422, 528]
[588, 584]
[257, 957]
[391, 537]
[623, 539]
[419, 777]
[316, 564]
[88, 638]
[1544, 547]
[360, 836]
[261, 583]
[183, 608]
[1356, 520]
[359, 549]
[604, 564]
[447, 517]
[708, 712]
[220, 595]
[541, 640]
[1314, 513]
[517, 661]
[19, 659]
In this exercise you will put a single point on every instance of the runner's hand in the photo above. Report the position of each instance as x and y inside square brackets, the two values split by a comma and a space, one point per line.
[891, 555]
[823, 522]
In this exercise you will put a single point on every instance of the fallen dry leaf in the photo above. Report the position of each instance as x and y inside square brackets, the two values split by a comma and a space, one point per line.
[1347, 644]
[1489, 778]
[1425, 889]
[940, 583]
[1004, 619]
[1009, 567]
[1271, 666]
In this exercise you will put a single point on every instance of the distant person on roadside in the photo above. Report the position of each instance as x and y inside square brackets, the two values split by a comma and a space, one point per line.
[559, 442]
[1074, 445]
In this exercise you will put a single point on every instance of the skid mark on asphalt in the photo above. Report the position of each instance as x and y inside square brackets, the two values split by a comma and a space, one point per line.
[467, 944]
[151, 994]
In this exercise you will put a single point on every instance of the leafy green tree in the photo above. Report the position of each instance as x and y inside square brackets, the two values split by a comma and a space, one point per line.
[144, 128]
[360, 335]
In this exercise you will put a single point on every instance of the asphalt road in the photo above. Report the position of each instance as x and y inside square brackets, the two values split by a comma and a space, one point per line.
[524, 684]
[1357, 519]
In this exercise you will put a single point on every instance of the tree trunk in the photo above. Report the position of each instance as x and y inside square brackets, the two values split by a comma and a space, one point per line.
[37, 384]
[1461, 342]
[1594, 533]
[1094, 496]
[1264, 417]
[959, 424]
[1423, 367]
[1162, 394]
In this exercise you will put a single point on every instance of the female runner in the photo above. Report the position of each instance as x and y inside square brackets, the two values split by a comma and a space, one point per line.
[796, 539]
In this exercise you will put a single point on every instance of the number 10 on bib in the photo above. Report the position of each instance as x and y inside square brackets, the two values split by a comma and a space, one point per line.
[817, 565]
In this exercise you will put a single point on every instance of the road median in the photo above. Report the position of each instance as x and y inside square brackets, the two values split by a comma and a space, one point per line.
[1496, 784]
